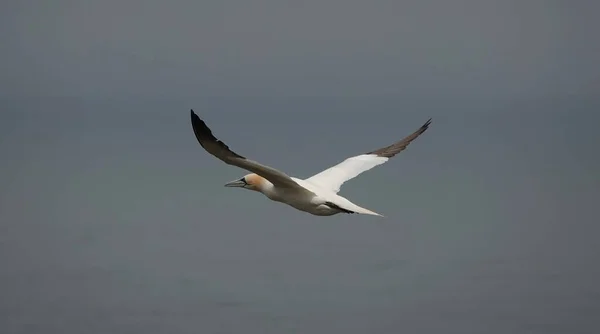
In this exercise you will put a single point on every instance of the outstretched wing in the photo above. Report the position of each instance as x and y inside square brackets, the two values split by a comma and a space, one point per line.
[217, 148]
[333, 178]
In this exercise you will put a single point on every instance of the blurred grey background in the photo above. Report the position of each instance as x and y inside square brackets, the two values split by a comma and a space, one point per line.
[114, 219]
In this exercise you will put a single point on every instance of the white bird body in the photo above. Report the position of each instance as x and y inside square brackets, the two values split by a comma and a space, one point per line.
[318, 194]
[318, 203]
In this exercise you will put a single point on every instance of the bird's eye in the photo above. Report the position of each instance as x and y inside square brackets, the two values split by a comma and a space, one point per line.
[244, 180]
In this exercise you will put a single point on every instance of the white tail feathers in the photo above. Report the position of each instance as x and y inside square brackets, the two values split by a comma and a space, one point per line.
[368, 212]
[347, 205]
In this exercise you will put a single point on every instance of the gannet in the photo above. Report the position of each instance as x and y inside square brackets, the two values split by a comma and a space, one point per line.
[318, 194]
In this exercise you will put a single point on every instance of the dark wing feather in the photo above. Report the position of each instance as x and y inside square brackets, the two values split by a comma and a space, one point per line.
[208, 141]
[220, 150]
[392, 150]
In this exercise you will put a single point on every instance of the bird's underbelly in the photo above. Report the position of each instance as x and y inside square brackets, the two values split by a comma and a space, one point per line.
[304, 203]
[315, 209]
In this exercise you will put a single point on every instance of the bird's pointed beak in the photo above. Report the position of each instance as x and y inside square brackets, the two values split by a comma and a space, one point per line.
[236, 183]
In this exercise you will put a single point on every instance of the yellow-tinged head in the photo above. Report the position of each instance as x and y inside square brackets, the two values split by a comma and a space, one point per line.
[250, 182]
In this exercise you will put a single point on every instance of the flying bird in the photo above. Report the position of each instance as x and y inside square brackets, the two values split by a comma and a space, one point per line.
[318, 194]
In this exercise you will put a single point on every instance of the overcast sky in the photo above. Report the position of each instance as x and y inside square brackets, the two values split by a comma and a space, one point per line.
[282, 48]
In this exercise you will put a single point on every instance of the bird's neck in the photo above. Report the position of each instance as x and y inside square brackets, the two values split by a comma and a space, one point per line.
[267, 188]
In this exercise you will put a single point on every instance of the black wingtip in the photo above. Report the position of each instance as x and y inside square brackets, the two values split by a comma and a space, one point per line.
[426, 125]
[194, 118]
[197, 122]
[205, 135]
[200, 127]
